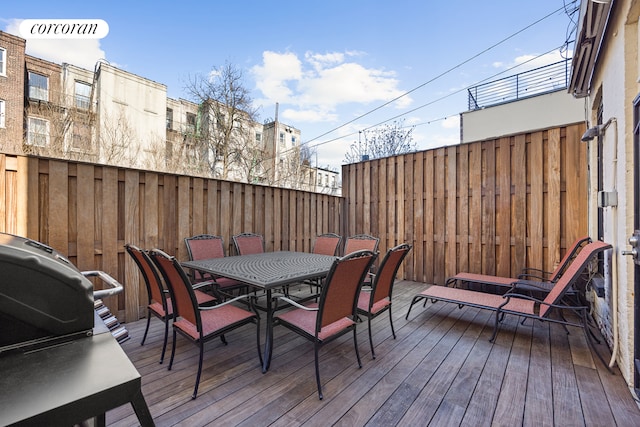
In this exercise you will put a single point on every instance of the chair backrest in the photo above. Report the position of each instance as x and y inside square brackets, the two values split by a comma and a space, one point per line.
[569, 256]
[338, 298]
[183, 297]
[248, 243]
[572, 274]
[149, 274]
[327, 244]
[382, 286]
[204, 246]
[361, 242]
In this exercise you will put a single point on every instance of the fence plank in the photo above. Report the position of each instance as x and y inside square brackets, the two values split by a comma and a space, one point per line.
[536, 202]
[439, 214]
[503, 208]
[519, 200]
[553, 201]
[462, 208]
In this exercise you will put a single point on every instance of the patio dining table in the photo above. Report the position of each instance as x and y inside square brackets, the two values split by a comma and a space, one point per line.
[267, 271]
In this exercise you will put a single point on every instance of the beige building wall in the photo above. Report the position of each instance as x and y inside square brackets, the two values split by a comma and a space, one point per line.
[538, 112]
[132, 117]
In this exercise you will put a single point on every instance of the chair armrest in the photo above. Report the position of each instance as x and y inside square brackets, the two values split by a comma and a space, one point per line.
[530, 285]
[295, 304]
[213, 307]
[202, 284]
[535, 273]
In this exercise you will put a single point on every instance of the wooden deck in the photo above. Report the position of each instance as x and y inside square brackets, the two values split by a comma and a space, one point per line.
[441, 370]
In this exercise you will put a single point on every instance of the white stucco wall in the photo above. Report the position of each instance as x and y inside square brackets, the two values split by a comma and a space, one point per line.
[539, 112]
[134, 106]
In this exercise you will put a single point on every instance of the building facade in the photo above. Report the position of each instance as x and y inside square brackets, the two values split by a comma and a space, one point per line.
[114, 117]
[12, 63]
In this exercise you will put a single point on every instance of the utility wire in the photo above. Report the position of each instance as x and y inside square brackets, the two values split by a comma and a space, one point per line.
[432, 102]
[563, 8]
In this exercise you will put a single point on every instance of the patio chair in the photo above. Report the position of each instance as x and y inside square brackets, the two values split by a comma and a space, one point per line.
[248, 243]
[361, 242]
[207, 246]
[542, 281]
[519, 304]
[325, 244]
[335, 313]
[159, 304]
[376, 299]
[196, 323]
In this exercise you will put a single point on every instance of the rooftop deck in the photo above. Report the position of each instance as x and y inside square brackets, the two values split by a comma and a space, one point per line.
[441, 370]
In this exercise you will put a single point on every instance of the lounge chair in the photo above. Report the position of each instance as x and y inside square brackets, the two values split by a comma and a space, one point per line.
[526, 306]
[540, 281]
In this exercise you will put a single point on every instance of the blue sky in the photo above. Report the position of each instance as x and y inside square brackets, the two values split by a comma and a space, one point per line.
[331, 66]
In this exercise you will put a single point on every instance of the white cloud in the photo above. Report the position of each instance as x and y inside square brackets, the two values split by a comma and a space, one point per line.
[451, 122]
[531, 61]
[315, 86]
[82, 53]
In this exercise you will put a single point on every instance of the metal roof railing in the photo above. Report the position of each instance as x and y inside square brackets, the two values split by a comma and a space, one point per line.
[548, 78]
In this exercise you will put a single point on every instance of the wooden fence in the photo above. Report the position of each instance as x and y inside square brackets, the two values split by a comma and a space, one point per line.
[88, 212]
[488, 207]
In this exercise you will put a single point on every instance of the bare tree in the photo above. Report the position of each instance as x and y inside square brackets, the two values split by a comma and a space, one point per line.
[118, 142]
[388, 140]
[225, 130]
[56, 128]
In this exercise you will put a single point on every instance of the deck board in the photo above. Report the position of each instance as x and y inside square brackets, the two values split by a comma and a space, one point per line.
[441, 370]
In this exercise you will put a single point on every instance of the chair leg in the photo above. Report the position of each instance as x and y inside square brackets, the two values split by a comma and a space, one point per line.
[355, 344]
[166, 335]
[373, 353]
[144, 337]
[316, 349]
[413, 301]
[173, 350]
[393, 332]
[499, 316]
[195, 389]
[258, 341]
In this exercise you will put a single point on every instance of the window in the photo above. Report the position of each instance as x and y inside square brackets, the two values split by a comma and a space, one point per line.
[3, 62]
[81, 137]
[1, 113]
[258, 137]
[281, 137]
[38, 86]
[83, 95]
[37, 132]
[191, 123]
[293, 140]
[169, 118]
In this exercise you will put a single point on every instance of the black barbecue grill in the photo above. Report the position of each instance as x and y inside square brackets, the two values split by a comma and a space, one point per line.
[44, 298]
[59, 365]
